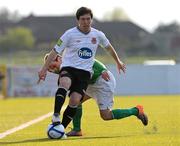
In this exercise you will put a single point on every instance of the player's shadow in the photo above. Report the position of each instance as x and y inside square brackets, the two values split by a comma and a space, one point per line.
[69, 138]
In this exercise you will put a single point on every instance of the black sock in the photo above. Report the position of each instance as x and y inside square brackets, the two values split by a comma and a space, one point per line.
[59, 100]
[68, 115]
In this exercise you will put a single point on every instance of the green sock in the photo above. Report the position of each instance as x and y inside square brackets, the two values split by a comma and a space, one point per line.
[77, 119]
[123, 113]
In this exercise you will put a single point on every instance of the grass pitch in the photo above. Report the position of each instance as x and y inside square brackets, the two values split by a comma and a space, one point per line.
[163, 128]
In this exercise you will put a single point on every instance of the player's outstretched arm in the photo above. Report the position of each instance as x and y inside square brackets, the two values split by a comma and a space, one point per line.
[120, 64]
[42, 73]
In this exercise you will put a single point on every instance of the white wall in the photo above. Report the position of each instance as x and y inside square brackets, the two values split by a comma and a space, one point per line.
[142, 80]
[22, 82]
[138, 80]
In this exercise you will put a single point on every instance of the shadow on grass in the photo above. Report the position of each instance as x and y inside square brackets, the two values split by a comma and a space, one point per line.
[68, 139]
[41, 140]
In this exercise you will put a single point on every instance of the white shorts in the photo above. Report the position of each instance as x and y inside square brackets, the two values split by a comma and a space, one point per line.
[103, 92]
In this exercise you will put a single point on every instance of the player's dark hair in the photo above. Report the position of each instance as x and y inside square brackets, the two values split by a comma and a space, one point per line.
[82, 11]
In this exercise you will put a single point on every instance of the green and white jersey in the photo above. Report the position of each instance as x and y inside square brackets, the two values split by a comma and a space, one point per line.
[98, 68]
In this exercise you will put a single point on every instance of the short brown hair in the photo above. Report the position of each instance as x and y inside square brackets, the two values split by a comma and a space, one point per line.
[82, 11]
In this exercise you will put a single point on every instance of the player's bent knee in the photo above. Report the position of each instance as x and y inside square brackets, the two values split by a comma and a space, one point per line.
[104, 118]
[74, 100]
[106, 114]
[65, 82]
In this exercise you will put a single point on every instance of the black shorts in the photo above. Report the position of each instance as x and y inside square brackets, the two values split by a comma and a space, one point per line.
[79, 78]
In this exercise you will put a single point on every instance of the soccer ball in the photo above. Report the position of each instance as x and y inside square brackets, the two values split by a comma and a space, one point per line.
[56, 131]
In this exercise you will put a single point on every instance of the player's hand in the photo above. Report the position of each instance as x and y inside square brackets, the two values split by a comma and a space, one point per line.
[121, 66]
[105, 76]
[42, 75]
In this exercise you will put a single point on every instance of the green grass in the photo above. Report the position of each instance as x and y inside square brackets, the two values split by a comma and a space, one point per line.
[16, 111]
[106, 59]
[163, 128]
[21, 58]
[36, 57]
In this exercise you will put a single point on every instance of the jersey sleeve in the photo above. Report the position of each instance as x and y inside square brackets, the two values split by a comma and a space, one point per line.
[62, 43]
[104, 42]
[98, 68]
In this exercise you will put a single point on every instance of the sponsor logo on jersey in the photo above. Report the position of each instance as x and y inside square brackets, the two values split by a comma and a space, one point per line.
[85, 53]
[59, 42]
[93, 41]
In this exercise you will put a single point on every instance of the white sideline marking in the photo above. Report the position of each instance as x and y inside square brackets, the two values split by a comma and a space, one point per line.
[10, 131]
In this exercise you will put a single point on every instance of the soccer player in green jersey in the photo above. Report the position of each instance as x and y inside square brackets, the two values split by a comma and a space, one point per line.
[101, 88]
